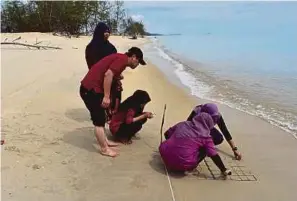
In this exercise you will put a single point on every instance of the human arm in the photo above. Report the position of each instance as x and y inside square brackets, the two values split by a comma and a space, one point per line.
[141, 117]
[194, 112]
[211, 151]
[114, 70]
[228, 137]
[107, 87]
[237, 154]
[131, 119]
[219, 163]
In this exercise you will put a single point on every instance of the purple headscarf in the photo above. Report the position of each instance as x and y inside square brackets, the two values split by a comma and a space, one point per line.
[200, 126]
[211, 109]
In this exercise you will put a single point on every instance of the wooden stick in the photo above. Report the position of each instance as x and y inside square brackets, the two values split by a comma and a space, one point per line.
[17, 38]
[168, 177]
[38, 43]
[163, 119]
[28, 45]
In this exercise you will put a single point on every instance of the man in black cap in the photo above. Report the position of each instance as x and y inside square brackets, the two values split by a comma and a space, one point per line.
[95, 90]
[137, 53]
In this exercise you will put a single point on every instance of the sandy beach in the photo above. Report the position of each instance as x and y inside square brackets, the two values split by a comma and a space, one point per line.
[50, 151]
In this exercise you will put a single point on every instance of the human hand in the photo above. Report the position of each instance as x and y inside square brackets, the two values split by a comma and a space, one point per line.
[227, 172]
[105, 102]
[149, 115]
[237, 155]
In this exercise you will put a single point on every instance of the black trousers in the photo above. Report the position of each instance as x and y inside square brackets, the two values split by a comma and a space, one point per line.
[127, 131]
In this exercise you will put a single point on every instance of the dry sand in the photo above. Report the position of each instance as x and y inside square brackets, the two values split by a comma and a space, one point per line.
[50, 152]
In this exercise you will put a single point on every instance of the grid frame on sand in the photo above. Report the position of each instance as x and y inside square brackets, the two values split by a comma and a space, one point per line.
[207, 170]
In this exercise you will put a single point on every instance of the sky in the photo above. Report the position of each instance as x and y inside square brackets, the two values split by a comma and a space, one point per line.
[170, 16]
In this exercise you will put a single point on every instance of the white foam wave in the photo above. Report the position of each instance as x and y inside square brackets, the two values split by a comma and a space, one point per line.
[203, 90]
[197, 87]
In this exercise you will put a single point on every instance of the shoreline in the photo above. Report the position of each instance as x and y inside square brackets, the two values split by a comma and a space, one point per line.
[195, 100]
[50, 152]
[208, 90]
[260, 143]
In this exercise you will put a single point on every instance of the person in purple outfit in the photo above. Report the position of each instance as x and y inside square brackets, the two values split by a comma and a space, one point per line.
[180, 150]
[216, 135]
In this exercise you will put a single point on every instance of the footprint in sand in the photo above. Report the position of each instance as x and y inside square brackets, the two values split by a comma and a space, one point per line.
[36, 167]
[12, 148]
[139, 182]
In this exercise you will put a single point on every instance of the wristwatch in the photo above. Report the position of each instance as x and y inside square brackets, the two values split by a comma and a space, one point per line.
[235, 149]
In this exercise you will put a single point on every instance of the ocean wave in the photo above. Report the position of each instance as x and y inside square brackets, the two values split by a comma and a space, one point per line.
[197, 87]
[206, 89]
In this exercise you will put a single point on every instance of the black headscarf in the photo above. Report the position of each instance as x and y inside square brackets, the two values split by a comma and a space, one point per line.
[135, 101]
[99, 47]
[98, 36]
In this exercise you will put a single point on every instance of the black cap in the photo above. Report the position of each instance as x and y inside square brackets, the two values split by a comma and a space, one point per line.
[138, 53]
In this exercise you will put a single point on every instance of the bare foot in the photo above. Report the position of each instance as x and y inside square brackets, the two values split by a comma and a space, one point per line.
[111, 143]
[114, 148]
[126, 142]
[108, 152]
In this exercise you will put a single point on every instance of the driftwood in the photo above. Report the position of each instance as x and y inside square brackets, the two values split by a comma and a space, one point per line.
[17, 38]
[28, 45]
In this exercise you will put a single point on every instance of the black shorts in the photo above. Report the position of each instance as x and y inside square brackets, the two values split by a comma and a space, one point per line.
[93, 102]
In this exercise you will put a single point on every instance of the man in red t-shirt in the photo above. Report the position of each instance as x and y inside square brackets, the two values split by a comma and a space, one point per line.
[95, 90]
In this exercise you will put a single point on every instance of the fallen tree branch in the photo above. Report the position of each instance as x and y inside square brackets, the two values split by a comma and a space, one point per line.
[17, 38]
[28, 45]
[38, 43]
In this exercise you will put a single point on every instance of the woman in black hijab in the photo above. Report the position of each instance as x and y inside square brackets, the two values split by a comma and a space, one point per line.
[99, 47]
[130, 117]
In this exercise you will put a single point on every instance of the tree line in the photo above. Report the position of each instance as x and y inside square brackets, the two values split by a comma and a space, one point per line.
[67, 17]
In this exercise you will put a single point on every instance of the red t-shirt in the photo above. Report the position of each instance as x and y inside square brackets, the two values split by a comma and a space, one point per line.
[94, 79]
[119, 118]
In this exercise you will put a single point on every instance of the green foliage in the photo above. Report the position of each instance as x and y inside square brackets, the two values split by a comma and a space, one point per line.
[134, 28]
[67, 17]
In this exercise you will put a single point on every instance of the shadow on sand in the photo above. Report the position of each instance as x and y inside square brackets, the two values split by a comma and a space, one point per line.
[157, 164]
[78, 114]
[82, 138]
